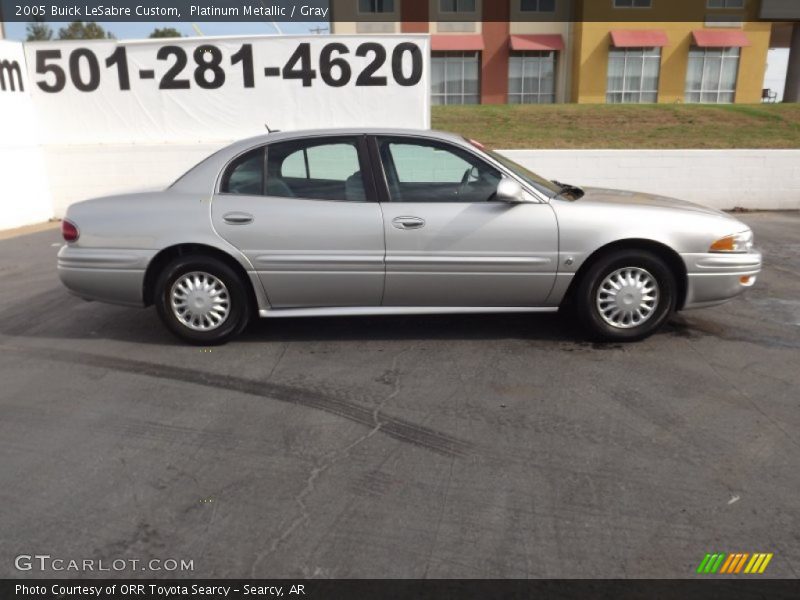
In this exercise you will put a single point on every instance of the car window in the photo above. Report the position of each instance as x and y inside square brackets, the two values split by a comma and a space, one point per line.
[245, 175]
[316, 169]
[430, 171]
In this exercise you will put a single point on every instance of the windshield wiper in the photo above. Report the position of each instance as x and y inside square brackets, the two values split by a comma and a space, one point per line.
[569, 189]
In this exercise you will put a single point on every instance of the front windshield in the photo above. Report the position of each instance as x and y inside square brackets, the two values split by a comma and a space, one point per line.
[546, 187]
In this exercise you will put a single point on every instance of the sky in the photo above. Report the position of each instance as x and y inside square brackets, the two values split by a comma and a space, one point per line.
[16, 31]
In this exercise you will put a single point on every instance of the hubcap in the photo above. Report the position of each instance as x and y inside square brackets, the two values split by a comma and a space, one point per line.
[627, 297]
[200, 301]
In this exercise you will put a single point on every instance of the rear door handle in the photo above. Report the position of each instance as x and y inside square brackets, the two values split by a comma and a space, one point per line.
[408, 223]
[237, 218]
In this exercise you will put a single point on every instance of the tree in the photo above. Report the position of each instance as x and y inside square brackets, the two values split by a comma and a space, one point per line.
[78, 30]
[38, 31]
[165, 32]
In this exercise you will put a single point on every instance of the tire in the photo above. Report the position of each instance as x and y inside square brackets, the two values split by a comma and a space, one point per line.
[202, 300]
[625, 296]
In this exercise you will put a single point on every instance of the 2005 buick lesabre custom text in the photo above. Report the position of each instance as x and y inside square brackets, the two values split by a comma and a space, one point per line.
[368, 222]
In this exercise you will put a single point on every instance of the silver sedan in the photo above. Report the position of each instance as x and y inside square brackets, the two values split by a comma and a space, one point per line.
[385, 221]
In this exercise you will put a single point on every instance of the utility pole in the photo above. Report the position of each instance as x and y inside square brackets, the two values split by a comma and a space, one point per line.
[317, 30]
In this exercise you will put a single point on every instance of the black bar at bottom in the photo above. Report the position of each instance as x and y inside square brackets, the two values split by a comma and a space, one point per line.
[392, 589]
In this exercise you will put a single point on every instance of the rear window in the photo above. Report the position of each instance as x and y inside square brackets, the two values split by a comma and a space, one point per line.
[245, 175]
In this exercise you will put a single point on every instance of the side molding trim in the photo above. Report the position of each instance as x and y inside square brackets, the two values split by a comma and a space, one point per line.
[362, 311]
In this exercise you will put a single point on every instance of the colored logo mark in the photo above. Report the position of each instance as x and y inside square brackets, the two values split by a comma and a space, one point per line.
[727, 564]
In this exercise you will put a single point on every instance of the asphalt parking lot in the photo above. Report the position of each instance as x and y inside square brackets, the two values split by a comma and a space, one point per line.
[464, 446]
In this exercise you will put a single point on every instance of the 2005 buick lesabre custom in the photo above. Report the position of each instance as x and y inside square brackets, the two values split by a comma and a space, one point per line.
[369, 222]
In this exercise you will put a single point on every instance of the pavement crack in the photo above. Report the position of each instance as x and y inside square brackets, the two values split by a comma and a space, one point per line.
[326, 463]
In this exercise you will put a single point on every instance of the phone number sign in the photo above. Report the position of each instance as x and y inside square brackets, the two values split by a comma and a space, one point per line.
[224, 88]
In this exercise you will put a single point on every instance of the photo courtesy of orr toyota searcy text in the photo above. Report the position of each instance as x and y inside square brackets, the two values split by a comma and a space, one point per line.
[137, 590]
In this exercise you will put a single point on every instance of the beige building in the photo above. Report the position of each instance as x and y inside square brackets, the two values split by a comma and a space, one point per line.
[482, 51]
[538, 51]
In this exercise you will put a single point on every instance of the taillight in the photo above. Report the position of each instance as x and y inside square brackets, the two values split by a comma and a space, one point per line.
[69, 231]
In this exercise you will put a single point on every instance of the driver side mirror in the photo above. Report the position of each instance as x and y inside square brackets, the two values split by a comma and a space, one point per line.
[509, 190]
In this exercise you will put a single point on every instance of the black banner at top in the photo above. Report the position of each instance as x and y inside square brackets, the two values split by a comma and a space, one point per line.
[720, 12]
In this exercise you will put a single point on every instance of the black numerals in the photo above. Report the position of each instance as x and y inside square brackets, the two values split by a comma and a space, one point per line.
[368, 77]
[119, 58]
[327, 64]
[170, 80]
[299, 66]
[245, 56]
[416, 64]
[43, 67]
[208, 74]
[336, 68]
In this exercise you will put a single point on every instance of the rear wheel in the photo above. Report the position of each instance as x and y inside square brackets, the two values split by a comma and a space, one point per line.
[202, 300]
[625, 296]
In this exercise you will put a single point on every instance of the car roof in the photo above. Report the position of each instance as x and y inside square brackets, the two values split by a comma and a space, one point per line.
[202, 177]
[302, 133]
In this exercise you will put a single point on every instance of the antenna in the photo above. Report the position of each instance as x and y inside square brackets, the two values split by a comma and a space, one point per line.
[271, 130]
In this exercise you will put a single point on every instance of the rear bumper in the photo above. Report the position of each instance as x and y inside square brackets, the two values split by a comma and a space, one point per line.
[717, 278]
[115, 276]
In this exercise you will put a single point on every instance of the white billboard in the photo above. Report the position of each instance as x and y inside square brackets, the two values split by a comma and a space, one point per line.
[24, 194]
[207, 89]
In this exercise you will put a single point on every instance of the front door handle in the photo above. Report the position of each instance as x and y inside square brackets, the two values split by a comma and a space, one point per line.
[408, 223]
[237, 218]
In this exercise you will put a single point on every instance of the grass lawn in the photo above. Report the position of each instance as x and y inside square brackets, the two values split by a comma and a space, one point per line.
[625, 126]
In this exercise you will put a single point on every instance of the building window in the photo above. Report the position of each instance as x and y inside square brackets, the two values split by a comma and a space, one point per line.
[454, 6]
[455, 78]
[531, 78]
[375, 6]
[633, 3]
[711, 75]
[633, 75]
[537, 6]
[725, 4]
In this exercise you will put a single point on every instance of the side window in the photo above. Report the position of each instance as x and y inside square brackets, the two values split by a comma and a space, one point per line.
[422, 171]
[316, 169]
[245, 175]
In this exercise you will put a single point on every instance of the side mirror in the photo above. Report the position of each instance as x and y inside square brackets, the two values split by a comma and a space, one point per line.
[509, 190]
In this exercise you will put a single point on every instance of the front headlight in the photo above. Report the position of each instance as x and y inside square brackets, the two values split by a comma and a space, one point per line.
[739, 242]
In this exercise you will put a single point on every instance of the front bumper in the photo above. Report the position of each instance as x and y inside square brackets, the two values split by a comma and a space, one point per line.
[115, 276]
[714, 278]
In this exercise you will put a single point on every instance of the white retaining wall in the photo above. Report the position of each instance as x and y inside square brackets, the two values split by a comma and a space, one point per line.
[753, 179]
[78, 172]
[725, 179]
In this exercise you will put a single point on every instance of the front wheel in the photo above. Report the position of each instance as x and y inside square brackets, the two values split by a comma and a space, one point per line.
[625, 296]
[202, 300]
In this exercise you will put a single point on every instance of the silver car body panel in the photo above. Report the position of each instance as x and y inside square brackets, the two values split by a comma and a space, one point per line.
[479, 254]
[312, 257]
[309, 253]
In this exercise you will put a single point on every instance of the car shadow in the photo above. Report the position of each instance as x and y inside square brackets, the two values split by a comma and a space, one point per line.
[55, 314]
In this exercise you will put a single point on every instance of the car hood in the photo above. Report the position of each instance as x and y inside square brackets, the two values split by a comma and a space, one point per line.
[626, 198]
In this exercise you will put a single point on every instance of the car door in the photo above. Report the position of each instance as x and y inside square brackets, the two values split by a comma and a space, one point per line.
[448, 242]
[306, 217]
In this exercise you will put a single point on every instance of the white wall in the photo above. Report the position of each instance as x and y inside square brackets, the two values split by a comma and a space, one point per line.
[753, 179]
[24, 197]
[725, 179]
[80, 171]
